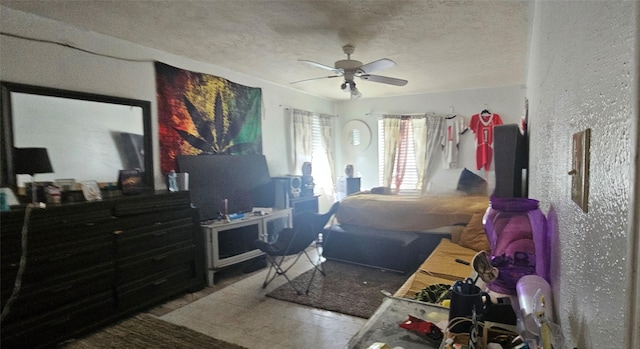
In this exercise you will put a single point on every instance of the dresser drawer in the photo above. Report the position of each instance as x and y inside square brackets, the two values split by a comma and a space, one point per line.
[59, 262]
[148, 204]
[135, 241]
[40, 297]
[154, 262]
[71, 237]
[147, 291]
[46, 329]
[55, 220]
[47, 231]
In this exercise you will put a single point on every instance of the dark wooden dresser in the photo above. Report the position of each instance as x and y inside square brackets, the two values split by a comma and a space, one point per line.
[88, 264]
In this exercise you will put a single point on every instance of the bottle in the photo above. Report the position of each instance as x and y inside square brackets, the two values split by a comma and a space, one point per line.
[172, 178]
[4, 206]
[348, 170]
[319, 247]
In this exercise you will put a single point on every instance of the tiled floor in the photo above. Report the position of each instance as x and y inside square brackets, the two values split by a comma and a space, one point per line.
[241, 313]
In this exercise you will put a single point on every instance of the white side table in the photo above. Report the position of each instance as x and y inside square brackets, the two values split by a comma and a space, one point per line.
[228, 243]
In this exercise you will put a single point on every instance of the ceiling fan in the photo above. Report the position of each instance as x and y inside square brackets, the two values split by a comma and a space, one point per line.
[350, 69]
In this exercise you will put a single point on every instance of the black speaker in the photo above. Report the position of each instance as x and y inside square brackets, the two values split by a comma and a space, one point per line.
[307, 186]
[511, 157]
[292, 185]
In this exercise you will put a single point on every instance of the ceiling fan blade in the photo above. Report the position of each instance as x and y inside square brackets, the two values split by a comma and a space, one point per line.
[320, 65]
[322, 77]
[380, 64]
[384, 79]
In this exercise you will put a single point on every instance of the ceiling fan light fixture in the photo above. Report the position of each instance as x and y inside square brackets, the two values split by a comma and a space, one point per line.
[355, 93]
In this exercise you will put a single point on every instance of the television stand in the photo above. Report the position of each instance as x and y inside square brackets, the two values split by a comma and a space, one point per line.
[228, 243]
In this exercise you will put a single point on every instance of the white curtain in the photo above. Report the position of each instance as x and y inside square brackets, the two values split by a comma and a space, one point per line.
[302, 138]
[391, 126]
[419, 125]
[327, 184]
[434, 129]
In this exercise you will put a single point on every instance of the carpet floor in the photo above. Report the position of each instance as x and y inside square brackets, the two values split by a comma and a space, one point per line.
[346, 288]
[145, 331]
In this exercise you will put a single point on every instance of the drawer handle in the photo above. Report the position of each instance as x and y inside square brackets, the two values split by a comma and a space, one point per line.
[159, 282]
[61, 320]
[61, 288]
[59, 257]
[159, 258]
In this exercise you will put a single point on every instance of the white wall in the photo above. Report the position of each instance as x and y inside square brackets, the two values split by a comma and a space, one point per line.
[51, 65]
[506, 101]
[583, 73]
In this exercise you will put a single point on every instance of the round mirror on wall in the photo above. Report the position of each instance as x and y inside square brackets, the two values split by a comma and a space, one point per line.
[356, 136]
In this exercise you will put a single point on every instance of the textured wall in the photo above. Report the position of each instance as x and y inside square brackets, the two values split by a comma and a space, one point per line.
[583, 74]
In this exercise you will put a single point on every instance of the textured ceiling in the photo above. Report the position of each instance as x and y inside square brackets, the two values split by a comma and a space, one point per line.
[437, 45]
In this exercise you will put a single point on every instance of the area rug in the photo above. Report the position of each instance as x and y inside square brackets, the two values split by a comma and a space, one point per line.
[146, 331]
[346, 288]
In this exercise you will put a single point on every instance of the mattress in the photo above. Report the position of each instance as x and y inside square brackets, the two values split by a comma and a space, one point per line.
[408, 213]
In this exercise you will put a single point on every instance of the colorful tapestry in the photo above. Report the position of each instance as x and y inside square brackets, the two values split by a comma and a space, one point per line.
[205, 114]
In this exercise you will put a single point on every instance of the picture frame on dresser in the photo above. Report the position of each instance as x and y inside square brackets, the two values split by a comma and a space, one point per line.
[130, 181]
[91, 191]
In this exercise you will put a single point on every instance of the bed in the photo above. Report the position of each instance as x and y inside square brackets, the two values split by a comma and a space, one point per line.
[398, 232]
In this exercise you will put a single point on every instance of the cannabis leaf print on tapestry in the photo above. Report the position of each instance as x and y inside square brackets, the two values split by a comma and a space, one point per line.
[204, 114]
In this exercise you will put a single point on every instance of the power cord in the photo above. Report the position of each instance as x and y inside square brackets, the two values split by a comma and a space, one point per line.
[23, 263]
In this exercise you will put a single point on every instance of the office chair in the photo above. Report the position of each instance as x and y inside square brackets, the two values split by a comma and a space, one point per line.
[294, 241]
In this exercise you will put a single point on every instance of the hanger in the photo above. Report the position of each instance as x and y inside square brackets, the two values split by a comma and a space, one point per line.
[485, 110]
[451, 114]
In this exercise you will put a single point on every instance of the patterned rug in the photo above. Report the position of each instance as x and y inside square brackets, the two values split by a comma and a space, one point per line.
[145, 331]
[347, 288]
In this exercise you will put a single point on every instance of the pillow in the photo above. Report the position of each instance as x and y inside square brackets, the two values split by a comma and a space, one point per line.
[456, 232]
[472, 184]
[381, 190]
[473, 235]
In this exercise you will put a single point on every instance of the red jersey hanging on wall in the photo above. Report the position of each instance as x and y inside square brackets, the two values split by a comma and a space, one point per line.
[482, 125]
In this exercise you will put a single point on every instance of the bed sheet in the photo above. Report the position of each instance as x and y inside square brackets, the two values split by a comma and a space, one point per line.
[409, 213]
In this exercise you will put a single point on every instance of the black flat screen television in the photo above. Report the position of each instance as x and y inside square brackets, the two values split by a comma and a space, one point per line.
[243, 180]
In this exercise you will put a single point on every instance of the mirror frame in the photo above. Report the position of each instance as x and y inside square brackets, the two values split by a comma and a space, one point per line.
[8, 176]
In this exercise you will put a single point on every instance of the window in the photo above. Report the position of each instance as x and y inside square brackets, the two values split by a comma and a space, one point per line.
[409, 182]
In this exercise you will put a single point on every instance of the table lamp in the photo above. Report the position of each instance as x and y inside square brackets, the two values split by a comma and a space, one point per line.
[31, 161]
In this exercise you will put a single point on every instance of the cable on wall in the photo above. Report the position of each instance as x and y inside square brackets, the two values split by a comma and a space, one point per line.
[76, 48]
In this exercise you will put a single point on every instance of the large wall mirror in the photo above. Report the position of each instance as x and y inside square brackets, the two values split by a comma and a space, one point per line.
[87, 136]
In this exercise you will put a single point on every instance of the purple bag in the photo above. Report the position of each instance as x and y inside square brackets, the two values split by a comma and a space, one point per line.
[519, 241]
